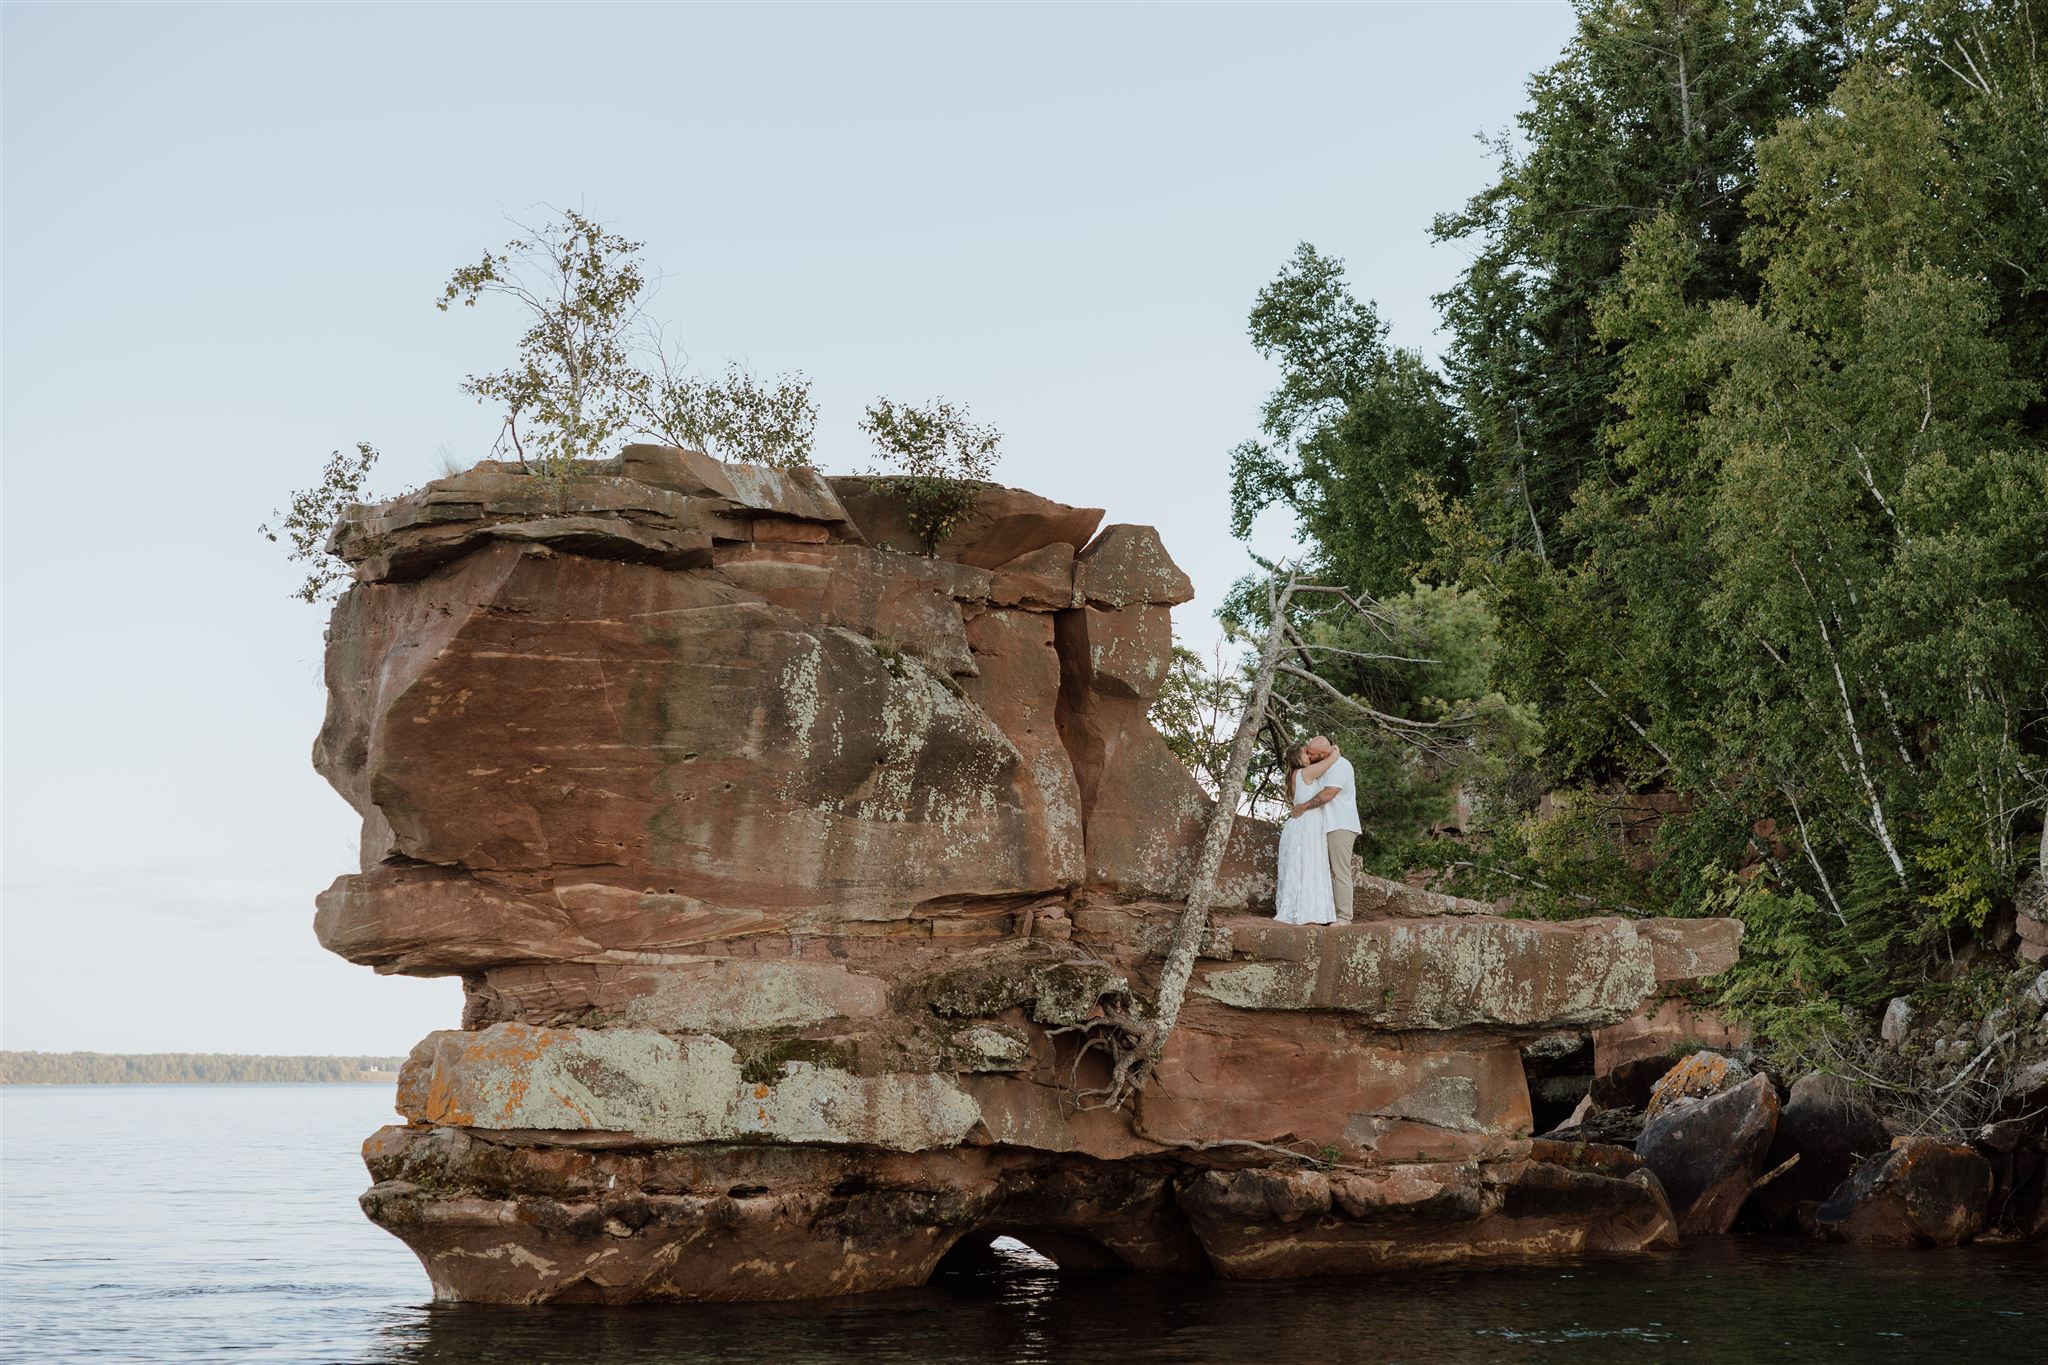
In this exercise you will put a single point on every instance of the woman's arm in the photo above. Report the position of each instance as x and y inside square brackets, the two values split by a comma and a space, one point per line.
[1316, 769]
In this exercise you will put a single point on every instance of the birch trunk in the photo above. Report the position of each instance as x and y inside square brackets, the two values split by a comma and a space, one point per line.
[1194, 920]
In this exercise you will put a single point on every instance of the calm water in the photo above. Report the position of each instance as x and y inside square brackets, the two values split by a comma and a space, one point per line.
[180, 1223]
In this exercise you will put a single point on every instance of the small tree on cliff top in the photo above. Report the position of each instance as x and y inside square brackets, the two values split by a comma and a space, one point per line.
[939, 456]
[313, 514]
[574, 387]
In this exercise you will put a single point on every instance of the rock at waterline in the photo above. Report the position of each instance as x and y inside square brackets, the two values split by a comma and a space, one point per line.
[1922, 1192]
[1829, 1127]
[1708, 1151]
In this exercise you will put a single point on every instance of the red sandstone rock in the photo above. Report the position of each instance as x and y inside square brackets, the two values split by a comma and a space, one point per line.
[1042, 580]
[790, 877]
[1006, 522]
[1127, 566]
[1921, 1192]
[1269, 1224]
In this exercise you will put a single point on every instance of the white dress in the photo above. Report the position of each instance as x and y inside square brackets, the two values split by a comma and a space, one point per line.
[1303, 892]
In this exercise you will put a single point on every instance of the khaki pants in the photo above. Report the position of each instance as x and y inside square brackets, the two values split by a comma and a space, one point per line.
[1340, 841]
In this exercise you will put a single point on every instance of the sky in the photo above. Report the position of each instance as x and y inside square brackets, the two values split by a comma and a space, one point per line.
[222, 229]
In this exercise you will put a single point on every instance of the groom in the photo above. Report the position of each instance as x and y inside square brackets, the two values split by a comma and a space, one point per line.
[1340, 820]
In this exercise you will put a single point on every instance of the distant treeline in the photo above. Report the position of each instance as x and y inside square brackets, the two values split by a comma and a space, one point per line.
[151, 1068]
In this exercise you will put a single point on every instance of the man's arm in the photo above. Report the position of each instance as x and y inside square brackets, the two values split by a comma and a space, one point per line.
[1318, 801]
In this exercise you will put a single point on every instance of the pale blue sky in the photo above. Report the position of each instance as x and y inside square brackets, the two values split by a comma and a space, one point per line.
[223, 231]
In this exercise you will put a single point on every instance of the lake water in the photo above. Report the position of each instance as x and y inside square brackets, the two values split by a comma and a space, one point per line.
[185, 1222]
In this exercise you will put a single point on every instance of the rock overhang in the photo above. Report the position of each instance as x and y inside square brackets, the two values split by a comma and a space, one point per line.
[764, 845]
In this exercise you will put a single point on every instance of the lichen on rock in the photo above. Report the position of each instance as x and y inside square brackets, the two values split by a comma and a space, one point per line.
[789, 873]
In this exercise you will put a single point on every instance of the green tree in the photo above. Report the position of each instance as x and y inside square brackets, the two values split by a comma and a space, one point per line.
[1357, 436]
[313, 514]
[939, 456]
[574, 386]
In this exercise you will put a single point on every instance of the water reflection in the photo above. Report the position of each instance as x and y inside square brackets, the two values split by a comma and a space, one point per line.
[1718, 1301]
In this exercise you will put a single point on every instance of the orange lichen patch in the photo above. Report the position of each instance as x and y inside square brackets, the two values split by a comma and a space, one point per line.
[1698, 1076]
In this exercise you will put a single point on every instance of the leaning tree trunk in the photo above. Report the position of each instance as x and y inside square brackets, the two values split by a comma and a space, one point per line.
[1194, 921]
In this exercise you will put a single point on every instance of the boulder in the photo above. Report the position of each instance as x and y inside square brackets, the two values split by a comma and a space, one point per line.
[1920, 1192]
[1127, 566]
[1633, 1055]
[1708, 1151]
[1829, 1127]
[1897, 1024]
[1006, 523]
[1694, 1078]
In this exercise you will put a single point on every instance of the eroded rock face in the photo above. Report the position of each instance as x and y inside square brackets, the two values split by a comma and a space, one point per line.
[790, 876]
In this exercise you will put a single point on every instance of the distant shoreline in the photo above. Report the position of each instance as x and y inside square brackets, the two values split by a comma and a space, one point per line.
[191, 1068]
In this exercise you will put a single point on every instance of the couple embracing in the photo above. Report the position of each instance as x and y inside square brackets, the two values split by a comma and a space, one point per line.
[1314, 885]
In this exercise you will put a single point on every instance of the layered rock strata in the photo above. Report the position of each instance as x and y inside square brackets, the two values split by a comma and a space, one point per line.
[789, 873]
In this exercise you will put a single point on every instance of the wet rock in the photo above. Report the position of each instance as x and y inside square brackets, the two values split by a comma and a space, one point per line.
[1922, 1192]
[1829, 1126]
[1264, 1224]
[1707, 1151]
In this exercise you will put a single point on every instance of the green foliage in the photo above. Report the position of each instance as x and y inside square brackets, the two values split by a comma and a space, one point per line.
[313, 514]
[1357, 436]
[734, 417]
[939, 457]
[574, 387]
[1746, 457]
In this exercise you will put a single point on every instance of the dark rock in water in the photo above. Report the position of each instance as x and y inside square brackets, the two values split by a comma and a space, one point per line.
[1922, 1192]
[1829, 1127]
[1706, 1152]
[1615, 1127]
[2018, 1168]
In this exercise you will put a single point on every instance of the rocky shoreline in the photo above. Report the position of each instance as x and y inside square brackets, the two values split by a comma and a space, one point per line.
[788, 873]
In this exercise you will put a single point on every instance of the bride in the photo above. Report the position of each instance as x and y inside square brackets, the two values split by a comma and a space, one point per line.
[1304, 894]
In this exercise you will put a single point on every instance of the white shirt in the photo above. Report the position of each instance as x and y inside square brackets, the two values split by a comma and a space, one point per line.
[1342, 812]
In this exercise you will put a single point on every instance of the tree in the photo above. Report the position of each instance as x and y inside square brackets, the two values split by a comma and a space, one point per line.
[735, 417]
[1358, 436]
[939, 456]
[313, 514]
[574, 386]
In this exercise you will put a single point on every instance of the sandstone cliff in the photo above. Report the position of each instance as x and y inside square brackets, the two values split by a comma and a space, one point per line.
[780, 866]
